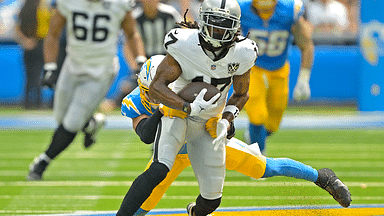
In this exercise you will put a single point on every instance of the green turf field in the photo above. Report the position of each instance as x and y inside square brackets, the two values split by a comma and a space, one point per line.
[98, 178]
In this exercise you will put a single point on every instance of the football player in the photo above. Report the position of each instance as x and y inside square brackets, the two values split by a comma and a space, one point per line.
[246, 159]
[211, 52]
[154, 20]
[272, 24]
[90, 66]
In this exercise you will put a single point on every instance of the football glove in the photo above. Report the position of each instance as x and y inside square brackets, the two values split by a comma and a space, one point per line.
[211, 124]
[50, 75]
[172, 113]
[221, 132]
[200, 105]
[302, 92]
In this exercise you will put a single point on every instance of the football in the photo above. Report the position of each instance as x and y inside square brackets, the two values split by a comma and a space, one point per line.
[190, 91]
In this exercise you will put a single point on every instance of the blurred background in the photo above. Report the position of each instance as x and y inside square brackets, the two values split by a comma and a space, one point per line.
[346, 71]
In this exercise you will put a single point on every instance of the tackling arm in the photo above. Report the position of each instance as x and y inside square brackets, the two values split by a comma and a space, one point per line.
[146, 126]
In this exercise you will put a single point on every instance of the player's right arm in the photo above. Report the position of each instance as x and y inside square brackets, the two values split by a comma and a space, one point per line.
[167, 72]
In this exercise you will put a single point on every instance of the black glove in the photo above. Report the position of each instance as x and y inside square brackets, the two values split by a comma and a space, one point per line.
[50, 75]
[231, 131]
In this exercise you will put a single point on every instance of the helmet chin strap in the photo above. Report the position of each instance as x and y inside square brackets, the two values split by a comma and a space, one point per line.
[215, 52]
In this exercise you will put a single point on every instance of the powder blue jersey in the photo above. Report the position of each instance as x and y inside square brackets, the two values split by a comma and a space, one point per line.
[132, 106]
[273, 37]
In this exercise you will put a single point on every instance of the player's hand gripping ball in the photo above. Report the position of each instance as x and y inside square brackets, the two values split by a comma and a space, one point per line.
[201, 96]
[190, 91]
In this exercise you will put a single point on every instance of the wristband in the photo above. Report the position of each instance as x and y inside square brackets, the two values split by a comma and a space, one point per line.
[304, 74]
[232, 109]
[50, 66]
[185, 107]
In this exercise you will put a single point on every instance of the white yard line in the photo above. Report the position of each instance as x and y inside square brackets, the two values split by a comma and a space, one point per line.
[255, 183]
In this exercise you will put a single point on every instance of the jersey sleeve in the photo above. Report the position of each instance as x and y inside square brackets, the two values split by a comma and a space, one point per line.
[62, 7]
[298, 10]
[249, 55]
[171, 45]
[130, 106]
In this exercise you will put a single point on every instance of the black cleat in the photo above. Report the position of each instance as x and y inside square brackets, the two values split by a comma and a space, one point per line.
[328, 180]
[189, 208]
[98, 121]
[36, 169]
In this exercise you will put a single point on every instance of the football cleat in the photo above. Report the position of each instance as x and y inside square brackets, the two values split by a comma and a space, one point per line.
[95, 124]
[328, 180]
[189, 208]
[36, 169]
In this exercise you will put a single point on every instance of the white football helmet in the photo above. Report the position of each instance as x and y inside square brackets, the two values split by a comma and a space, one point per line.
[219, 21]
[147, 73]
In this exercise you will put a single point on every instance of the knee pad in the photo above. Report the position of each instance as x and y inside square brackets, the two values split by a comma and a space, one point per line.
[204, 206]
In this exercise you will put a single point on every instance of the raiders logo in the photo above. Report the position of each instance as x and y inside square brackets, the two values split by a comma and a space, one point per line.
[232, 67]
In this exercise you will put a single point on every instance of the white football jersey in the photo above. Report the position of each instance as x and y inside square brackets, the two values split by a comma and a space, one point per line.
[93, 29]
[184, 46]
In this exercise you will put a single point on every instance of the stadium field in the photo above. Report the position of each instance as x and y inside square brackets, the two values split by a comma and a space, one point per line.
[97, 179]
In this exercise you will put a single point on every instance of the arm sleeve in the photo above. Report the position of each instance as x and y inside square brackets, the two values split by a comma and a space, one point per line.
[147, 127]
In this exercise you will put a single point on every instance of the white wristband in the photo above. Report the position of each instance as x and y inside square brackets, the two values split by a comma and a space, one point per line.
[304, 74]
[232, 109]
[50, 66]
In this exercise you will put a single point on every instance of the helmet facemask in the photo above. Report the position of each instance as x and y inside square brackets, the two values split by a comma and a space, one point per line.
[218, 27]
[145, 100]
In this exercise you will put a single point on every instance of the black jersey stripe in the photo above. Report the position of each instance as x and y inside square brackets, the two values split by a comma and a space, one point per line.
[156, 144]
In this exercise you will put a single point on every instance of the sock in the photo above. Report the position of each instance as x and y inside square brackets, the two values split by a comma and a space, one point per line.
[142, 188]
[290, 168]
[258, 134]
[60, 141]
[140, 212]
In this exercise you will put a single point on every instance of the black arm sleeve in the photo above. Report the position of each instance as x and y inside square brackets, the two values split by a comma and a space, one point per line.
[146, 128]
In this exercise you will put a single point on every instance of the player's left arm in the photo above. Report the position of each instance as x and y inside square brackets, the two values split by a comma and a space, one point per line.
[239, 96]
[134, 43]
[235, 103]
[302, 32]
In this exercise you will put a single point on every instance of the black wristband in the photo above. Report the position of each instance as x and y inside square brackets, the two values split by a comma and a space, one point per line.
[185, 107]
